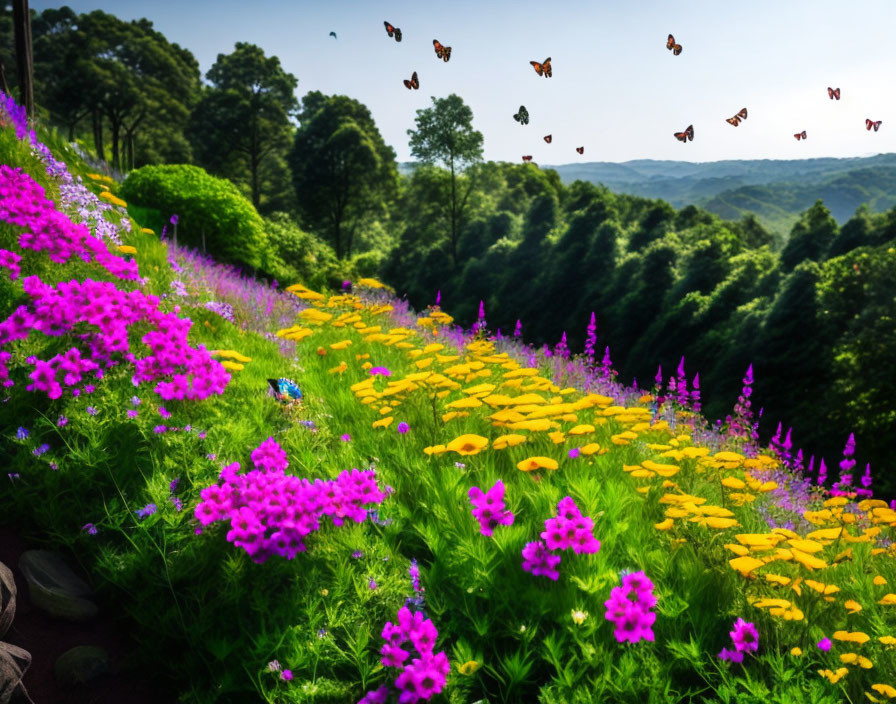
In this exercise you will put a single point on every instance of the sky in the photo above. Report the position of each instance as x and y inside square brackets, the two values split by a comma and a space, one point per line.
[616, 90]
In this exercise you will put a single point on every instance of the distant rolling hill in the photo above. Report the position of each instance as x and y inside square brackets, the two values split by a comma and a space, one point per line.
[776, 190]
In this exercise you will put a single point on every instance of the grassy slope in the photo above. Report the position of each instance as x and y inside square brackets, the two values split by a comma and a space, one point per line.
[225, 617]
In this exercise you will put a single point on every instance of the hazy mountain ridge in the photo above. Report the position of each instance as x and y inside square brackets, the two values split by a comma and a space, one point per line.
[776, 190]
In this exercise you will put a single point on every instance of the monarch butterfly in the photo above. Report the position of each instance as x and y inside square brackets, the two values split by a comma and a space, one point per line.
[393, 31]
[527, 158]
[742, 115]
[670, 44]
[543, 69]
[413, 83]
[688, 134]
[869, 124]
[833, 93]
[548, 138]
[522, 116]
[800, 135]
[580, 150]
[443, 52]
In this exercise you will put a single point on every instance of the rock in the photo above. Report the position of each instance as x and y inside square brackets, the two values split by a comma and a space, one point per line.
[13, 663]
[55, 588]
[7, 598]
[81, 664]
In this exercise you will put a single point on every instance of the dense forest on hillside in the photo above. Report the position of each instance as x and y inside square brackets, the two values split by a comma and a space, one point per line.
[813, 312]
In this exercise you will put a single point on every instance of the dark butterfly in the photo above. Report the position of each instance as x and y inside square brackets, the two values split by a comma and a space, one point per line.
[833, 93]
[688, 134]
[333, 34]
[742, 115]
[548, 138]
[869, 124]
[543, 69]
[800, 135]
[443, 52]
[522, 116]
[413, 83]
[393, 31]
[670, 44]
[580, 150]
[527, 158]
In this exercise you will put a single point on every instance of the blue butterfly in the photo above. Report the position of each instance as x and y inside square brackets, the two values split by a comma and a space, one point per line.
[285, 389]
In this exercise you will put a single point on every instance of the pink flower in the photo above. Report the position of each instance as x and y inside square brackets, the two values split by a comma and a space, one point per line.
[745, 636]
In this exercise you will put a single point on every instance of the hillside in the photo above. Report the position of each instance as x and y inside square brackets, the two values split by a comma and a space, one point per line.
[777, 191]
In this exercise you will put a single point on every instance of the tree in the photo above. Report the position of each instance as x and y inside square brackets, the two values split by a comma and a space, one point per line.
[24, 54]
[342, 169]
[810, 237]
[243, 119]
[445, 135]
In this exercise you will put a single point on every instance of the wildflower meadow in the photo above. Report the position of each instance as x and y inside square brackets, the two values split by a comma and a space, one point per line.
[413, 511]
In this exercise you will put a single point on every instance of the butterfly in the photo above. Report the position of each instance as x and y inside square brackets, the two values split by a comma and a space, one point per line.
[869, 124]
[670, 44]
[580, 150]
[393, 31]
[548, 138]
[333, 34]
[443, 52]
[800, 135]
[742, 115]
[543, 69]
[688, 134]
[527, 158]
[413, 83]
[833, 93]
[284, 390]
[522, 116]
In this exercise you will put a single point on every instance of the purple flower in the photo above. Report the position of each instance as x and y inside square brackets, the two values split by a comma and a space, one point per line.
[62, 422]
[174, 219]
[745, 636]
[824, 644]
[403, 428]
[537, 560]
[346, 437]
[286, 675]
[489, 508]
[132, 413]
[372, 584]
[146, 511]
[574, 452]
[38, 451]
[91, 411]
[172, 487]
[135, 400]
[90, 528]
[159, 429]
[164, 412]
[518, 330]
[357, 554]
[22, 433]
[381, 371]
[732, 655]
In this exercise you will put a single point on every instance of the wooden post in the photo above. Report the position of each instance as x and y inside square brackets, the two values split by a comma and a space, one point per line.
[24, 55]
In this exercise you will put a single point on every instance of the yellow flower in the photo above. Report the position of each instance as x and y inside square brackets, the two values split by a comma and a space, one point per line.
[127, 249]
[534, 463]
[383, 422]
[834, 677]
[885, 689]
[855, 659]
[887, 640]
[468, 668]
[467, 444]
[664, 525]
[146, 231]
[888, 600]
[745, 564]
[324, 592]
[435, 449]
[589, 449]
[503, 441]
[235, 366]
[852, 606]
[579, 617]
[879, 581]
[796, 652]
[856, 637]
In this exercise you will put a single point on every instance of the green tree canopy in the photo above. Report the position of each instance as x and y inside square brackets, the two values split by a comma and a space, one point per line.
[445, 135]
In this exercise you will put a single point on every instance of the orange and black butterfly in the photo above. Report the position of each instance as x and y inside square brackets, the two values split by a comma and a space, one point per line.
[522, 116]
[742, 115]
[870, 123]
[413, 83]
[833, 93]
[393, 31]
[542, 69]
[547, 138]
[670, 44]
[688, 134]
[527, 158]
[443, 52]
[580, 150]
[800, 135]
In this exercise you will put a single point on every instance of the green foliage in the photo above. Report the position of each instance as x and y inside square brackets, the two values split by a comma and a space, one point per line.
[342, 170]
[234, 232]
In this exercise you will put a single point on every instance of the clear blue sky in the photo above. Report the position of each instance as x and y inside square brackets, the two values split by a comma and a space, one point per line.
[616, 90]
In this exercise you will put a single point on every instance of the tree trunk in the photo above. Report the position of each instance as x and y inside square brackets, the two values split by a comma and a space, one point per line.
[24, 54]
[98, 134]
[3, 84]
[116, 133]
[453, 217]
